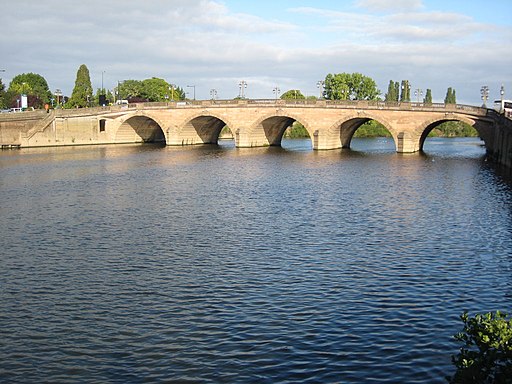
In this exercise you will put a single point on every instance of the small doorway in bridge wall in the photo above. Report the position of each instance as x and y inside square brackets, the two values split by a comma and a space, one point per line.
[102, 125]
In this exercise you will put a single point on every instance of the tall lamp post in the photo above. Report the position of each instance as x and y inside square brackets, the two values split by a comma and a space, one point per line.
[193, 86]
[213, 93]
[242, 85]
[502, 95]
[58, 94]
[276, 91]
[320, 84]
[418, 93]
[172, 86]
[485, 94]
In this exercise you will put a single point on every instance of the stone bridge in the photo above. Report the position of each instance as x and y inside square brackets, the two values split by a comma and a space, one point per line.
[253, 123]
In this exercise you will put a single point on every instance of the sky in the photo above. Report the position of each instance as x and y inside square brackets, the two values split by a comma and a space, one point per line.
[216, 44]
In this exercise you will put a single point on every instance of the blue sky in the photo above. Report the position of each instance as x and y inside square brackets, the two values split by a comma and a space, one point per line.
[213, 44]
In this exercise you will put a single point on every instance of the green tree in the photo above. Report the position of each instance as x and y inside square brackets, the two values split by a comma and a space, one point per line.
[31, 84]
[450, 96]
[486, 354]
[82, 92]
[296, 131]
[108, 95]
[346, 86]
[363, 87]
[153, 89]
[293, 94]
[372, 128]
[129, 89]
[393, 91]
[453, 129]
[2, 95]
[336, 87]
[428, 97]
[406, 91]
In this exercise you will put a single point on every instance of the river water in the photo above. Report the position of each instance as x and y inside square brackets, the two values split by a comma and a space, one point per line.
[210, 264]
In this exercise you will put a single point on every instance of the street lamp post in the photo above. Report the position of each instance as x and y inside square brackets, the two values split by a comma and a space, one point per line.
[485, 94]
[242, 85]
[213, 93]
[276, 91]
[118, 91]
[320, 84]
[58, 94]
[193, 86]
[418, 93]
[172, 86]
[502, 95]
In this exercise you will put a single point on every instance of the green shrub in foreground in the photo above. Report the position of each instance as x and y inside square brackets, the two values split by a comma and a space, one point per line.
[486, 356]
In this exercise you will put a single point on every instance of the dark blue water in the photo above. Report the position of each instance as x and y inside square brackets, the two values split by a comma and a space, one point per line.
[266, 265]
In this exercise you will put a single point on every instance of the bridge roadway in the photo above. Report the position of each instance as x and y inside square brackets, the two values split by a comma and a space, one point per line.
[254, 123]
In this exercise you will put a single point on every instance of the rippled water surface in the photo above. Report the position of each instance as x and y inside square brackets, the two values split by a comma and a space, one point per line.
[217, 264]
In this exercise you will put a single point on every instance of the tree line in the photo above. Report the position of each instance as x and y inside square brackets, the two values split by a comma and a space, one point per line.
[38, 93]
[336, 86]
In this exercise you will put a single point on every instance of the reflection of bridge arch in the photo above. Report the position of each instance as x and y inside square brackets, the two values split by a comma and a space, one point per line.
[139, 128]
[345, 128]
[425, 128]
[203, 127]
[270, 128]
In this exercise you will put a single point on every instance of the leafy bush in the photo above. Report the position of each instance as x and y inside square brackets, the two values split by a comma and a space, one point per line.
[296, 131]
[486, 356]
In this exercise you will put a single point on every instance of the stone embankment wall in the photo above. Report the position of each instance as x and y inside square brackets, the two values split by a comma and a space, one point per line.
[14, 125]
[501, 151]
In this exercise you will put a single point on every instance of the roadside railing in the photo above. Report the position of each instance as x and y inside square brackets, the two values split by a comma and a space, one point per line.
[240, 103]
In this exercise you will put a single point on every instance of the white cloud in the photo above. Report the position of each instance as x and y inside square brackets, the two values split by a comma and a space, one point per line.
[203, 42]
[389, 5]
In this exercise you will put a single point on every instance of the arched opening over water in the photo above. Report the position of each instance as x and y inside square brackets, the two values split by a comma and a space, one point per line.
[448, 128]
[140, 129]
[207, 128]
[277, 128]
[365, 128]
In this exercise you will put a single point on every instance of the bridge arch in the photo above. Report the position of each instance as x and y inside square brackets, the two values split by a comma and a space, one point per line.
[139, 128]
[202, 128]
[431, 124]
[269, 129]
[345, 128]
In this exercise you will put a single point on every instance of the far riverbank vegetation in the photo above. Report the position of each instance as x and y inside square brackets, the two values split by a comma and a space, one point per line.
[373, 129]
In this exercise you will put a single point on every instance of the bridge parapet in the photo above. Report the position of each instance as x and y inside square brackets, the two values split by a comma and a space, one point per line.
[241, 103]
